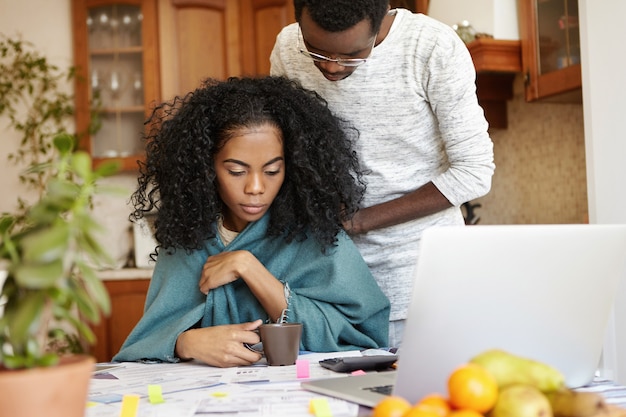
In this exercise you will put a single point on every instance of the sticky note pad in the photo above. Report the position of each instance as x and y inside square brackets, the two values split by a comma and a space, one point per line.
[130, 405]
[319, 407]
[302, 368]
[155, 394]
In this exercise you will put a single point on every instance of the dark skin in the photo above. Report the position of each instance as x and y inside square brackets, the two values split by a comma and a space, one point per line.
[356, 42]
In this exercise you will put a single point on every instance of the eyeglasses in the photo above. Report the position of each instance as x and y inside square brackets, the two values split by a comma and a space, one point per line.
[344, 62]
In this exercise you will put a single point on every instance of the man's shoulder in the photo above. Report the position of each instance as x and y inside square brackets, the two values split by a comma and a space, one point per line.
[287, 34]
[418, 25]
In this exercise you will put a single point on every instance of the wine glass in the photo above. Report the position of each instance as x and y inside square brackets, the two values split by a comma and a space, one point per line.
[91, 29]
[96, 81]
[102, 29]
[138, 88]
[127, 30]
[114, 24]
[115, 83]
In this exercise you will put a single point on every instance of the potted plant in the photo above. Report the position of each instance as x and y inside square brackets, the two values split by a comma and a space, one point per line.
[48, 250]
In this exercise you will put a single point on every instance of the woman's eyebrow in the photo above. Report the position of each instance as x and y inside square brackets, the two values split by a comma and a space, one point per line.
[238, 162]
[274, 160]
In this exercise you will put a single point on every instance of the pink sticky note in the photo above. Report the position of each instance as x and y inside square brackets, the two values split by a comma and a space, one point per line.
[359, 372]
[302, 368]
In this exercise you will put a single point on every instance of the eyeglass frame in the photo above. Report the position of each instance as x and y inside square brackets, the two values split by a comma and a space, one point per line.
[344, 62]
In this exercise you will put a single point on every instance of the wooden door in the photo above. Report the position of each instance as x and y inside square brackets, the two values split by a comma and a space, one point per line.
[261, 20]
[199, 39]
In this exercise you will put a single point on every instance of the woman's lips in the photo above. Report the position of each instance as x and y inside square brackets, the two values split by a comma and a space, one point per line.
[252, 209]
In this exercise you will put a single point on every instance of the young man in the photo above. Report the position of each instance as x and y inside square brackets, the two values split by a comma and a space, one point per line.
[407, 83]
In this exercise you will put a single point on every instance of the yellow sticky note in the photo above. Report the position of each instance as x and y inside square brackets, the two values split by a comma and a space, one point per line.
[155, 394]
[130, 404]
[319, 407]
[220, 394]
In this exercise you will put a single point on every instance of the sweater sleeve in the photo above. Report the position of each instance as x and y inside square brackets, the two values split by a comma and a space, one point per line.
[452, 93]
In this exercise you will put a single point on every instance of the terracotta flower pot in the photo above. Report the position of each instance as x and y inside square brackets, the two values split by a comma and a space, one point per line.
[57, 391]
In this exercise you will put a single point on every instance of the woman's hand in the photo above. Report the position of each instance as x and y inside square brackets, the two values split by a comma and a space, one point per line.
[226, 267]
[221, 346]
[221, 269]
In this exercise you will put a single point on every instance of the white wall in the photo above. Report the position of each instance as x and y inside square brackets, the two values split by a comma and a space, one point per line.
[47, 25]
[604, 91]
[494, 17]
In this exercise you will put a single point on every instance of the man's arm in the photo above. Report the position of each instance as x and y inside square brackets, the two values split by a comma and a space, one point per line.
[422, 202]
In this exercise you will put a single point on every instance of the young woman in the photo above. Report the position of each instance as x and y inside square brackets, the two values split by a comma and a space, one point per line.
[251, 180]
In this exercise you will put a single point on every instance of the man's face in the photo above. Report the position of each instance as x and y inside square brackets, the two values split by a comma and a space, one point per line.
[355, 42]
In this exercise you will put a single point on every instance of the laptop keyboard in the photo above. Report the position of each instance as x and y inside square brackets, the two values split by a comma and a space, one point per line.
[382, 389]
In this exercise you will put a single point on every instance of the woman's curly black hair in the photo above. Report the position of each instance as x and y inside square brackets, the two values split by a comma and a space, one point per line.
[339, 15]
[323, 183]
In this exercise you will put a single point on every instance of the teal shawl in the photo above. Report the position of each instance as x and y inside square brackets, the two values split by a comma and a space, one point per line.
[333, 294]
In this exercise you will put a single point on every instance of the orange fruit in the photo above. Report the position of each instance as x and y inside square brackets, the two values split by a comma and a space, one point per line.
[422, 410]
[437, 403]
[391, 406]
[465, 413]
[472, 387]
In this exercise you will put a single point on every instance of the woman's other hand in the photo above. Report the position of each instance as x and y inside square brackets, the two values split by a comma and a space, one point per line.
[221, 346]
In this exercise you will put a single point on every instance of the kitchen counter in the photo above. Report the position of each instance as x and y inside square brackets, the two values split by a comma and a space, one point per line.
[125, 274]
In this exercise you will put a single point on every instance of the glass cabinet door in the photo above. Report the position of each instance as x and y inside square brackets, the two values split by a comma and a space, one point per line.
[550, 39]
[115, 43]
[116, 78]
[558, 34]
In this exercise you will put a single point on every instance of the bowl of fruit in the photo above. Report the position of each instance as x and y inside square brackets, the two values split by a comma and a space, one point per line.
[496, 383]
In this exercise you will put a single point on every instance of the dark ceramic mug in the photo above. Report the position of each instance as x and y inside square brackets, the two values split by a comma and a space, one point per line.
[281, 342]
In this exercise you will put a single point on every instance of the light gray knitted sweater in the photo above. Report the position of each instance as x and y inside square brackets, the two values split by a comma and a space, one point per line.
[415, 106]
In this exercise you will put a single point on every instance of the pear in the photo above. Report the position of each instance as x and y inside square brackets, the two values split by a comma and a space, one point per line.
[521, 401]
[568, 403]
[509, 369]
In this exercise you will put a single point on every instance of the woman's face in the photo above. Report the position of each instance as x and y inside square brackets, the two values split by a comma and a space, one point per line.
[250, 170]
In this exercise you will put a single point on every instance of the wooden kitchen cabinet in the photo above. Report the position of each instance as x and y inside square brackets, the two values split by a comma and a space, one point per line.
[128, 297]
[497, 63]
[551, 49]
[116, 59]
[217, 39]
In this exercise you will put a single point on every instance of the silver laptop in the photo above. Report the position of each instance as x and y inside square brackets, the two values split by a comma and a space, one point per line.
[540, 291]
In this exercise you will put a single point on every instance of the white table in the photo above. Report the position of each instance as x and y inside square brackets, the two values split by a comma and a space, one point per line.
[191, 388]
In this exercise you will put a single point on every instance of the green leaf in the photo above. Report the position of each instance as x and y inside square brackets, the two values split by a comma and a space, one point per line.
[81, 164]
[64, 143]
[95, 288]
[38, 276]
[24, 319]
[13, 362]
[86, 306]
[49, 359]
[86, 332]
[46, 245]
[97, 252]
[108, 168]
[6, 221]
